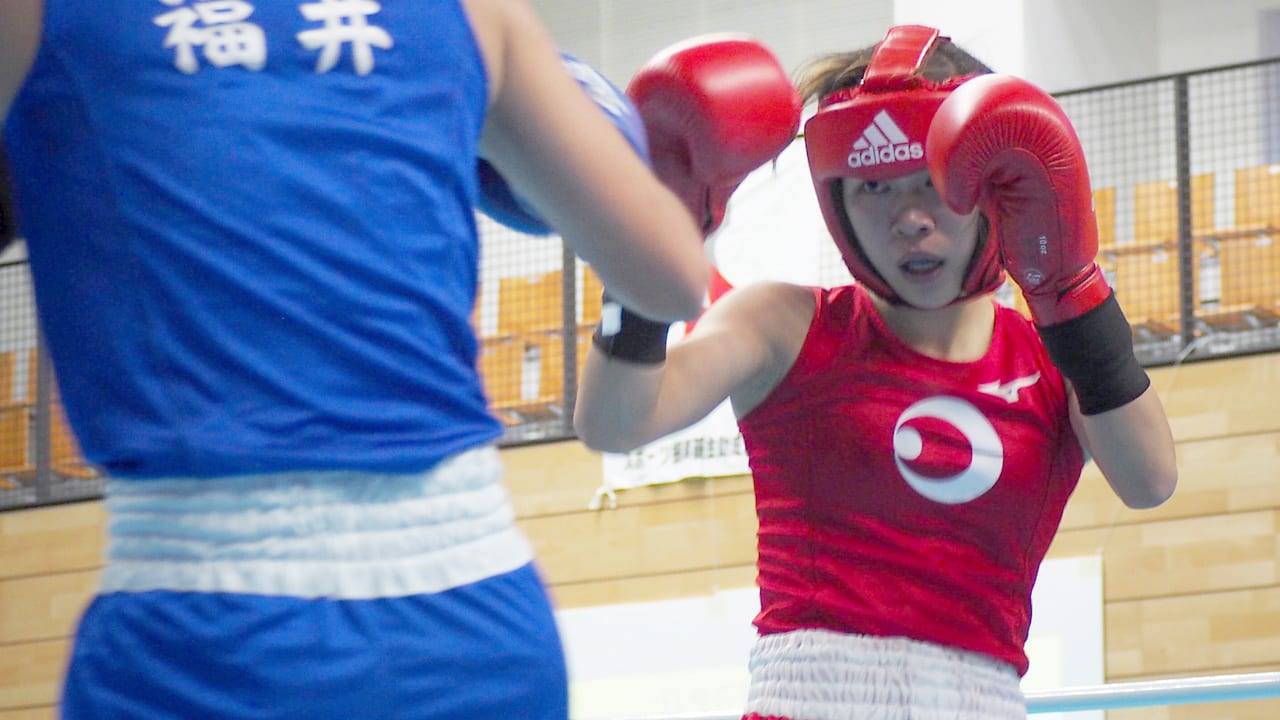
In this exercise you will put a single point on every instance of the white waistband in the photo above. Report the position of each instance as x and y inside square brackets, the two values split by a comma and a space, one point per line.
[346, 535]
[824, 675]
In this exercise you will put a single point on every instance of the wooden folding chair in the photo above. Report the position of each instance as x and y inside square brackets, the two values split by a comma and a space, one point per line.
[16, 458]
[1145, 279]
[533, 302]
[1155, 210]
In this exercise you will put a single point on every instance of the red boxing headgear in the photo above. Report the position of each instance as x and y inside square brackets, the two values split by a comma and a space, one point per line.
[875, 131]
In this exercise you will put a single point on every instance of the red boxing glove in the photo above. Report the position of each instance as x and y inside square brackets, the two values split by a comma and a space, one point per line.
[715, 107]
[1004, 145]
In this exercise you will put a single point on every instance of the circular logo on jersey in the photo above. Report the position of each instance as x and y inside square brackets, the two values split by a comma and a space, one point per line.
[986, 458]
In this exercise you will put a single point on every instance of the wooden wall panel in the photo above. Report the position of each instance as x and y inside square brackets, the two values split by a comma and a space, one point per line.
[31, 674]
[1217, 398]
[1180, 557]
[562, 478]
[41, 607]
[1202, 634]
[645, 540]
[696, 583]
[552, 478]
[1215, 476]
[51, 540]
[44, 712]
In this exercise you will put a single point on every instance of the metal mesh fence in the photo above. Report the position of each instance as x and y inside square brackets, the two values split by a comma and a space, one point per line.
[534, 314]
[1186, 177]
[17, 344]
[1186, 187]
[40, 463]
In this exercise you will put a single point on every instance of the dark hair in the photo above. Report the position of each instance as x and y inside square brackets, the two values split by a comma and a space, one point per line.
[825, 74]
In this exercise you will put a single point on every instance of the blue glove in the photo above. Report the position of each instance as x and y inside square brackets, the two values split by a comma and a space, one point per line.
[500, 202]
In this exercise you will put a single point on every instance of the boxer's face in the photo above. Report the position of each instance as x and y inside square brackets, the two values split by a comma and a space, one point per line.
[917, 243]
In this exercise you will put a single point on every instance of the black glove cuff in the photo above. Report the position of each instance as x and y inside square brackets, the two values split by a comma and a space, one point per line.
[1095, 352]
[627, 336]
[8, 214]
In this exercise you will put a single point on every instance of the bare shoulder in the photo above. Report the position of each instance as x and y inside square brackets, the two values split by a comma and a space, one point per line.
[789, 311]
[773, 302]
[489, 26]
[498, 26]
[21, 22]
[771, 321]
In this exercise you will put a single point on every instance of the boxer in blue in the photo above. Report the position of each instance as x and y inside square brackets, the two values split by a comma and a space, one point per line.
[252, 237]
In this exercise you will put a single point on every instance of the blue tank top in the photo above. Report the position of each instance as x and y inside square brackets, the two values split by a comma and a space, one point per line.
[251, 231]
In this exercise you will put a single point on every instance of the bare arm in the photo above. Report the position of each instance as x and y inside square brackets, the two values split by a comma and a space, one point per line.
[1133, 447]
[740, 349]
[565, 157]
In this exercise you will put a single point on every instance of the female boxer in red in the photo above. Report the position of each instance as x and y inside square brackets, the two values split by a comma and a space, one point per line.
[913, 443]
[307, 511]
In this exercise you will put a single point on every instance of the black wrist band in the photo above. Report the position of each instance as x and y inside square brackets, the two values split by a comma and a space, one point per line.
[1095, 352]
[627, 336]
[8, 221]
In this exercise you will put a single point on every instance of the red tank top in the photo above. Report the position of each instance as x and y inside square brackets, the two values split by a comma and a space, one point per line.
[901, 495]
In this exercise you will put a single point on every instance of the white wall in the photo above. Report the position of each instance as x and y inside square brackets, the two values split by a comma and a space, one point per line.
[990, 30]
[617, 36]
[1057, 44]
[1060, 44]
[1204, 33]
[1078, 43]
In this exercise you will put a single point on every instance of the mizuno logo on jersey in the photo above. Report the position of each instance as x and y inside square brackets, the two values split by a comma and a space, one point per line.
[1009, 391]
[883, 142]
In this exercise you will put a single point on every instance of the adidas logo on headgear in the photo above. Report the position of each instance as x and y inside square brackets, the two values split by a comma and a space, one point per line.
[883, 142]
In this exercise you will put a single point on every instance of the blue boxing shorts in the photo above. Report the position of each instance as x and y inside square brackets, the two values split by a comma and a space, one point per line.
[319, 595]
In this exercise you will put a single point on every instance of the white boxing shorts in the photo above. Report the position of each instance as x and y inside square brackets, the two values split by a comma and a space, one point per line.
[825, 675]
